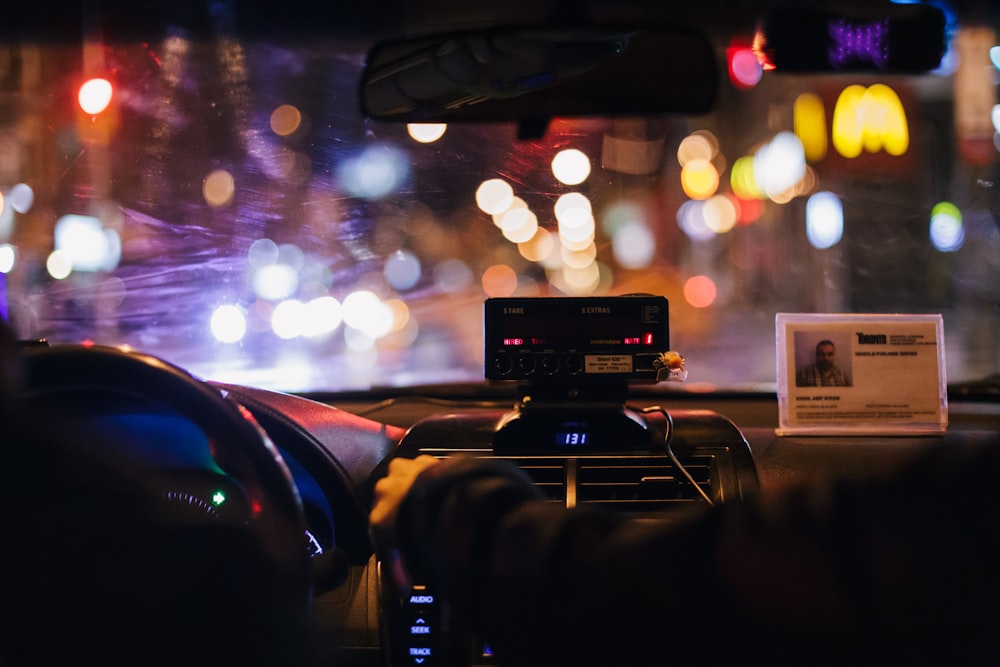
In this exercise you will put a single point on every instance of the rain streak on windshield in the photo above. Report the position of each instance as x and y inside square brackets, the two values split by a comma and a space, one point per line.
[225, 206]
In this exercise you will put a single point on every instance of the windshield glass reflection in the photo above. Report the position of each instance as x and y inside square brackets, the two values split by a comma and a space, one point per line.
[232, 211]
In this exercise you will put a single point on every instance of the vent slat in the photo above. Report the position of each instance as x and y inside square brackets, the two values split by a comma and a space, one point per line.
[632, 484]
[641, 484]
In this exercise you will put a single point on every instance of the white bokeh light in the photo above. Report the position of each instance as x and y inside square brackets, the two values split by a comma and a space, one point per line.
[21, 197]
[322, 316]
[275, 282]
[374, 173]
[571, 166]
[402, 270]
[780, 165]
[426, 133]
[634, 246]
[8, 257]
[494, 196]
[228, 324]
[947, 231]
[824, 220]
[87, 244]
[363, 310]
[59, 264]
[289, 319]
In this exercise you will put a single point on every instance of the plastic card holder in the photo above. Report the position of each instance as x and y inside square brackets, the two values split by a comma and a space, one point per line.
[861, 374]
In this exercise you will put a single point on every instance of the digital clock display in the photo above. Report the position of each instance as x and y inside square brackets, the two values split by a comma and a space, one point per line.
[572, 438]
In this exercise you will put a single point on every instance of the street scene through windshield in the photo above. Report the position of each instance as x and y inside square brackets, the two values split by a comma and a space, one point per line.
[225, 205]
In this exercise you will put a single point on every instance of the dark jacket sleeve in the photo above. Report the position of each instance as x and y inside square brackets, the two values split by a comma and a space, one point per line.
[901, 570]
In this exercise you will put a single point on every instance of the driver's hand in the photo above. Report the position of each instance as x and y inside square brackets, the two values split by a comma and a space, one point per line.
[389, 494]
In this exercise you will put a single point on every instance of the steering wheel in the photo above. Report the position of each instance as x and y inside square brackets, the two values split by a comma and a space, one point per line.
[73, 379]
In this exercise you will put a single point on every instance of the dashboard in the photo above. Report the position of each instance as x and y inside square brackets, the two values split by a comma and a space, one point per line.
[661, 454]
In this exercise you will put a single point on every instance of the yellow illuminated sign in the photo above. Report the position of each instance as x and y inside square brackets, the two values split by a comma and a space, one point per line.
[869, 119]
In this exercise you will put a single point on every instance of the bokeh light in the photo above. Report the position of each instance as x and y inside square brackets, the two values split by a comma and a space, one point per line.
[95, 95]
[579, 258]
[947, 232]
[745, 70]
[742, 179]
[288, 320]
[571, 166]
[494, 196]
[809, 121]
[578, 281]
[59, 264]
[375, 172]
[87, 244]
[515, 202]
[700, 291]
[779, 164]
[262, 252]
[286, 120]
[720, 213]
[519, 225]
[8, 257]
[426, 133]
[575, 220]
[21, 197]
[322, 316]
[402, 270]
[699, 145]
[691, 220]
[364, 311]
[634, 246]
[824, 220]
[699, 179]
[228, 323]
[538, 247]
[499, 280]
[275, 281]
[219, 188]
[452, 275]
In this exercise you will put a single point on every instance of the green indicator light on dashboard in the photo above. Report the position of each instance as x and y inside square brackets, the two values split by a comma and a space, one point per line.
[218, 498]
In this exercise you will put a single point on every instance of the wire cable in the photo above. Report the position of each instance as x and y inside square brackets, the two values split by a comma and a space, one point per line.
[667, 445]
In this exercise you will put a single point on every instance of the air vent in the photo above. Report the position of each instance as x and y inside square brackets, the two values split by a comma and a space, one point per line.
[631, 484]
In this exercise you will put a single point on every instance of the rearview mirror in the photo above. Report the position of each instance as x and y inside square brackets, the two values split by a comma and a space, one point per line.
[536, 74]
[882, 38]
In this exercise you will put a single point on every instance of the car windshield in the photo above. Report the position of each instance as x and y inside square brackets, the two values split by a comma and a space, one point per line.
[224, 203]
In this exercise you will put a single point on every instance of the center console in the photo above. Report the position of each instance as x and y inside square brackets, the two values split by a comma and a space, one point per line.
[574, 431]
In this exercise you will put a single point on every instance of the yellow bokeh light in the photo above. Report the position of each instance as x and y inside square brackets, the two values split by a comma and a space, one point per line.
[699, 179]
[809, 120]
[743, 181]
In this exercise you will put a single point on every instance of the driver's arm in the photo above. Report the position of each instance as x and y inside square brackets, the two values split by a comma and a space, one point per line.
[895, 570]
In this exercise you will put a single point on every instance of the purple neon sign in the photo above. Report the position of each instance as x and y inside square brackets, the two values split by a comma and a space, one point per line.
[864, 42]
